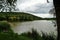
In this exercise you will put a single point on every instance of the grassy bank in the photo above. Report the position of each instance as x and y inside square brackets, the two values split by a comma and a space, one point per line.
[7, 34]
[26, 36]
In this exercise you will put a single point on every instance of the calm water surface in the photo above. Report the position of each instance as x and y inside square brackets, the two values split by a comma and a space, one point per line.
[39, 25]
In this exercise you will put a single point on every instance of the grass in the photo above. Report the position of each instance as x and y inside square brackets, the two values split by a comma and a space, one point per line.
[26, 36]
[12, 36]
[7, 34]
[36, 36]
[4, 26]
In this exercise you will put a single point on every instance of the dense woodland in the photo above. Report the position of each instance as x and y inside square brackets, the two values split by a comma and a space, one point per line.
[20, 16]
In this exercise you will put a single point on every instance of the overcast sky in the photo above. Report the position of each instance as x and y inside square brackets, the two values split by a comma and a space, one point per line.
[35, 7]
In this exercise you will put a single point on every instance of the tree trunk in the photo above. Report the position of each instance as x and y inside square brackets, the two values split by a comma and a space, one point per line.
[57, 9]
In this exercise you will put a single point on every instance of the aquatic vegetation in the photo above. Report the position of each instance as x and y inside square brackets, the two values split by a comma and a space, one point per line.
[36, 36]
[25, 36]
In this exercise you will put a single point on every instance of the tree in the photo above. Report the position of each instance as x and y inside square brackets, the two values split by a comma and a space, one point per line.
[57, 9]
[7, 5]
[52, 11]
[47, 1]
[11, 2]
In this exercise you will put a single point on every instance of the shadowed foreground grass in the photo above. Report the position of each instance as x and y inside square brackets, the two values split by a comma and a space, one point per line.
[36, 36]
[10, 35]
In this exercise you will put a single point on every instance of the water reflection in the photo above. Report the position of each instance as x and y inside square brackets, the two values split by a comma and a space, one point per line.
[39, 25]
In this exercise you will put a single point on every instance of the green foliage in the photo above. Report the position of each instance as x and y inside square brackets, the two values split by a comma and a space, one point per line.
[48, 37]
[4, 26]
[11, 2]
[35, 35]
[12, 36]
[2, 18]
[8, 5]
[7, 34]
[18, 16]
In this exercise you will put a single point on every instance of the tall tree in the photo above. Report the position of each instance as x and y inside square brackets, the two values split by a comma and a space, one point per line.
[12, 4]
[7, 5]
[57, 9]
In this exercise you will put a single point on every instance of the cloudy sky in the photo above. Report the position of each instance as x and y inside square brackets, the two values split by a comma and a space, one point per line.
[36, 7]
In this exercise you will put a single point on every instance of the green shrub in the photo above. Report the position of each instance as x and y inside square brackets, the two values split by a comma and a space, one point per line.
[7, 34]
[35, 35]
[12, 36]
[4, 26]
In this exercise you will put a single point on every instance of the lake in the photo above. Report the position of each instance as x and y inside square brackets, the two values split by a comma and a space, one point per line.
[46, 26]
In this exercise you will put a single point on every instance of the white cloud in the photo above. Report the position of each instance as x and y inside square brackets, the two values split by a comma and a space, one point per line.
[44, 15]
[35, 6]
[40, 8]
[27, 3]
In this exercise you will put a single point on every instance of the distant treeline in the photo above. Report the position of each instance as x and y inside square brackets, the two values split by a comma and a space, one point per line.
[48, 19]
[20, 16]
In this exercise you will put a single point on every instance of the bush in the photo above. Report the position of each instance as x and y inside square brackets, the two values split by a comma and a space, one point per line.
[12, 36]
[7, 34]
[4, 26]
[35, 35]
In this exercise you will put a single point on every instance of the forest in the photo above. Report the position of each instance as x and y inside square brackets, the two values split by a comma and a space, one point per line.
[20, 16]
